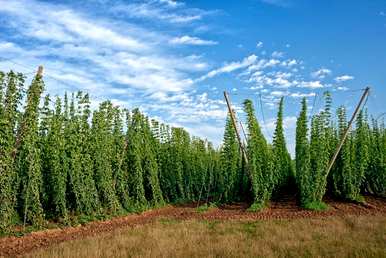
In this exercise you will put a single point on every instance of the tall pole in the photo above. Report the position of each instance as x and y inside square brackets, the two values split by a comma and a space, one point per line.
[345, 134]
[232, 115]
[40, 71]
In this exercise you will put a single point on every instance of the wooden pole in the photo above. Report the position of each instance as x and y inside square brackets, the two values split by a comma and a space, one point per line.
[40, 71]
[345, 134]
[231, 112]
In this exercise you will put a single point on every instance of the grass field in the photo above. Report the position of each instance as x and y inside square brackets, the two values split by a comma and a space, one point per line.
[338, 236]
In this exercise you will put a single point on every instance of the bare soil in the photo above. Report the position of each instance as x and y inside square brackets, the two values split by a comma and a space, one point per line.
[283, 209]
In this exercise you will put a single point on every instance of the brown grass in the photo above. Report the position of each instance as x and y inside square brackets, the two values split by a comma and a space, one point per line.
[347, 236]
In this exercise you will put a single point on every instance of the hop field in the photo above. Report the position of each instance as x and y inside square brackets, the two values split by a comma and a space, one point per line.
[63, 164]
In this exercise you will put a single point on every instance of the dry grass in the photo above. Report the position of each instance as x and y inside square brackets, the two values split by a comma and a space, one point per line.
[363, 236]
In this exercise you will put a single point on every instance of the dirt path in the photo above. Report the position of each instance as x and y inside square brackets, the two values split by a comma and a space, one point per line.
[285, 209]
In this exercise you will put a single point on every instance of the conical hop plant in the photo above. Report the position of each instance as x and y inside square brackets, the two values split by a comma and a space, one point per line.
[282, 166]
[230, 162]
[11, 86]
[134, 161]
[259, 160]
[56, 164]
[311, 159]
[102, 149]
[28, 157]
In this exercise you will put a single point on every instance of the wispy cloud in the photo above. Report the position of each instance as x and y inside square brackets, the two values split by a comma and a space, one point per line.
[129, 54]
[311, 84]
[131, 63]
[164, 10]
[344, 78]
[227, 68]
[188, 40]
[132, 56]
[280, 3]
[302, 95]
[321, 73]
[277, 54]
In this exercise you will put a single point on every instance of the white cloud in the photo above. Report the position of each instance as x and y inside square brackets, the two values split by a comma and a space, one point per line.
[163, 10]
[171, 3]
[208, 131]
[188, 108]
[302, 95]
[321, 73]
[278, 93]
[259, 44]
[227, 68]
[91, 31]
[123, 52]
[289, 63]
[111, 59]
[310, 84]
[9, 48]
[342, 88]
[277, 54]
[64, 25]
[188, 40]
[344, 78]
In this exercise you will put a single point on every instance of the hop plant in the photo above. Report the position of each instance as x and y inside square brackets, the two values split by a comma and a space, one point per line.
[259, 159]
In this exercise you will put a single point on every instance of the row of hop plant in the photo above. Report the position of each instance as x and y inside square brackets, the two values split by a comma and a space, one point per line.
[60, 158]
[359, 168]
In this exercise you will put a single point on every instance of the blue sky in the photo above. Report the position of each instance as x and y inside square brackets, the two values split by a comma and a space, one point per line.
[173, 59]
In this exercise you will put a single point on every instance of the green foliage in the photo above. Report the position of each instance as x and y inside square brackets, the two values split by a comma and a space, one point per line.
[349, 171]
[82, 193]
[134, 160]
[63, 163]
[319, 158]
[316, 206]
[28, 157]
[375, 174]
[56, 164]
[12, 85]
[361, 158]
[150, 166]
[102, 149]
[230, 164]
[260, 165]
[2, 86]
[205, 207]
[120, 170]
[342, 169]
[312, 157]
[173, 167]
[282, 166]
[303, 169]
[255, 207]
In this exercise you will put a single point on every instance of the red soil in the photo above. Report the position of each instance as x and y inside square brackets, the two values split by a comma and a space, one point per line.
[284, 209]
